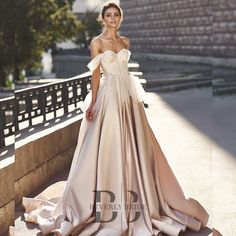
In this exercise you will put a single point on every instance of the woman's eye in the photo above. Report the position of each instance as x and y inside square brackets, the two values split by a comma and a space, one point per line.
[110, 15]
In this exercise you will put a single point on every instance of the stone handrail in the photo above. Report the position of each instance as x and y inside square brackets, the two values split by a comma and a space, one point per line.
[19, 111]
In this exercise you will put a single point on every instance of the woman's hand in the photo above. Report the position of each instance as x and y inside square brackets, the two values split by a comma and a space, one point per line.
[89, 112]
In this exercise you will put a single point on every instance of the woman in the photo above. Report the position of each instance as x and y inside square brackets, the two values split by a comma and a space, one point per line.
[131, 189]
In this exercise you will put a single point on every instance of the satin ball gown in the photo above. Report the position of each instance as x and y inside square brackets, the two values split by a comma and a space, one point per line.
[120, 182]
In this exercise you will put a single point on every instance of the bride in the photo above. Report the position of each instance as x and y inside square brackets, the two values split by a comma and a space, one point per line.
[120, 182]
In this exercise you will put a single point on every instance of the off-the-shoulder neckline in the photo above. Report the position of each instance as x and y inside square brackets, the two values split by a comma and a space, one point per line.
[109, 50]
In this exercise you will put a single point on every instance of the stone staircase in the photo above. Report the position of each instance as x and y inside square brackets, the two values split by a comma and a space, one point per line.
[179, 83]
[163, 76]
[224, 81]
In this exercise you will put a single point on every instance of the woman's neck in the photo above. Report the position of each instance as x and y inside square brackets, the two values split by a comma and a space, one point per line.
[111, 34]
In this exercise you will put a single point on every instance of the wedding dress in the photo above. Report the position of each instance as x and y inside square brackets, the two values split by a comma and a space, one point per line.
[120, 182]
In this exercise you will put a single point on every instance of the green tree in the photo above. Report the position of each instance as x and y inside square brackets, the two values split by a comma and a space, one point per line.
[91, 28]
[7, 29]
[28, 27]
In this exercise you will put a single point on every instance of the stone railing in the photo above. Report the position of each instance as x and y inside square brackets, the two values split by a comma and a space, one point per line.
[44, 101]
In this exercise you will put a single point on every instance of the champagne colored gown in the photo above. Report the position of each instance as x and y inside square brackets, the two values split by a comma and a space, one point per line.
[120, 182]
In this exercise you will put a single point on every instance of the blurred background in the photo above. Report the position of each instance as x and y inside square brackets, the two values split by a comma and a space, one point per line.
[33, 33]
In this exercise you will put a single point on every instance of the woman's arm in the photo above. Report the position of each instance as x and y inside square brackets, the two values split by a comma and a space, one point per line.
[94, 48]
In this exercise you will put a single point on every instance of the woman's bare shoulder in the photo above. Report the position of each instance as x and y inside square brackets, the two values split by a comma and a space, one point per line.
[95, 41]
[124, 37]
[95, 45]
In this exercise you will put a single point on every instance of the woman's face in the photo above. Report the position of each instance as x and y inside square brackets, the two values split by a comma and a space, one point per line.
[112, 17]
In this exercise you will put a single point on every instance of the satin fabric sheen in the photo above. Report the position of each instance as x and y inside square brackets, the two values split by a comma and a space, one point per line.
[117, 152]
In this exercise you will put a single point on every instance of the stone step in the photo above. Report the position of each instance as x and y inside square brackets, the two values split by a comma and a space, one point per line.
[137, 73]
[224, 84]
[182, 86]
[224, 90]
[174, 81]
[133, 66]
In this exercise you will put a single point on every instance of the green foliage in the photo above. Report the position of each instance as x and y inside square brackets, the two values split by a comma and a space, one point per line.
[9, 83]
[91, 28]
[28, 27]
[7, 29]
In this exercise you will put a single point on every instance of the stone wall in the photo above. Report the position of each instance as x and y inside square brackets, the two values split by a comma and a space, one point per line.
[181, 27]
[38, 158]
[224, 28]
[7, 192]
